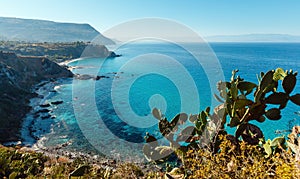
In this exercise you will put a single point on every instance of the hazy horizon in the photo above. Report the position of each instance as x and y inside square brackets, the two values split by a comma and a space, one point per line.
[207, 18]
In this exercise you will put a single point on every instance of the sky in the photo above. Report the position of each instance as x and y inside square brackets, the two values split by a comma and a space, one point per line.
[206, 17]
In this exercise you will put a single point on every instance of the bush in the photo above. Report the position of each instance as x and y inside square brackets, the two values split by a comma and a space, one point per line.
[242, 161]
[15, 164]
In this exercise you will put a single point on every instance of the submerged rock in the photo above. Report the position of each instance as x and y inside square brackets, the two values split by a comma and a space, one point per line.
[43, 111]
[36, 115]
[46, 117]
[57, 102]
[100, 77]
[45, 105]
[84, 77]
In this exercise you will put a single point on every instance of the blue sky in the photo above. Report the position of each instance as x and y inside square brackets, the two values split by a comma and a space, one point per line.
[209, 17]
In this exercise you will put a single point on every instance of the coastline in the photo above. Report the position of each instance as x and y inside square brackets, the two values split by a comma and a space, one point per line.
[29, 134]
[34, 129]
[33, 136]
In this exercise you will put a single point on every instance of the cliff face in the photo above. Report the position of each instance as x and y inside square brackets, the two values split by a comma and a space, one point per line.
[18, 75]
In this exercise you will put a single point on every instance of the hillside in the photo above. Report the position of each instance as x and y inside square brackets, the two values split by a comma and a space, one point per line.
[57, 52]
[18, 75]
[48, 31]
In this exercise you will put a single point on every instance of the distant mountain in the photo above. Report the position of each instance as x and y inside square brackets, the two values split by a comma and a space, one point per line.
[254, 38]
[48, 31]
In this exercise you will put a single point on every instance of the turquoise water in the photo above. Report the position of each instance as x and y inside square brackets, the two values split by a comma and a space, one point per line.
[116, 110]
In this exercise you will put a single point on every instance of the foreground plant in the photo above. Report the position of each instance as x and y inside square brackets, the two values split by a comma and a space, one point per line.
[244, 161]
[14, 164]
[241, 109]
[237, 110]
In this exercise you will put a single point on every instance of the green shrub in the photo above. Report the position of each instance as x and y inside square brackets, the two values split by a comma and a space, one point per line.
[20, 164]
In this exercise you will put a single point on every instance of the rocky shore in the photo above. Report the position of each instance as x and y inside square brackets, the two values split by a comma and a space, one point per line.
[27, 82]
[18, 76]
[39, 119]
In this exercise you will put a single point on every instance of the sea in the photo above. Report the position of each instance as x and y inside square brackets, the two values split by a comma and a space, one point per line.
[112, 114]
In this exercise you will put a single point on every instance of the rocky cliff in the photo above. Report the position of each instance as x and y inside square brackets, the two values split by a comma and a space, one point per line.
[18, 74]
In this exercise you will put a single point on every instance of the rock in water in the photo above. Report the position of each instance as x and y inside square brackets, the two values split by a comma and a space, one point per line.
[57, 102]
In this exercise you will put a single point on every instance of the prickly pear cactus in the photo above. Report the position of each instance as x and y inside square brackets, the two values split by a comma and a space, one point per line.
[271, 147]
[241, 108]
[180, 138]
[241, 102]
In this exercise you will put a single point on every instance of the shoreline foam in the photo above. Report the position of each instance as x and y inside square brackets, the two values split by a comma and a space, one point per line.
[30, 135]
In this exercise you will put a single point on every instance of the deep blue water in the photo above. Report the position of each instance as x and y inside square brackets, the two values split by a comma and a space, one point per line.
[116, 110]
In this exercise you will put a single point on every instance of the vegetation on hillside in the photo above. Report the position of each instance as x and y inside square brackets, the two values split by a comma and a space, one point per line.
[20, 163]
[57, 52]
